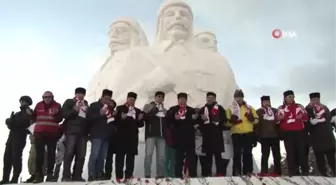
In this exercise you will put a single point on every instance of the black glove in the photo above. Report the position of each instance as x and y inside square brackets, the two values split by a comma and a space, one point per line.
[250, 117]
[234, 119]
[310, 112]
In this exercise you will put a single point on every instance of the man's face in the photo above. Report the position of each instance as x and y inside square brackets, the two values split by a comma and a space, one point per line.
[120, 36]
[80, 96]
[131, 100]
[210, 99]
[182, 101]
[266, 103]
[315, 101]
[23, 103]
[289, 98]
[207, 41]
[239, 100]
[159, 98]
[48, 97]
[106, 99]
[177, 22]
[112, 103]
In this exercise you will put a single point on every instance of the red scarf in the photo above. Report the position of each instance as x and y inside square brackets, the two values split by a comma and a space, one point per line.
[109, 112]
[214, 111]
[182, 110]
[319, 110]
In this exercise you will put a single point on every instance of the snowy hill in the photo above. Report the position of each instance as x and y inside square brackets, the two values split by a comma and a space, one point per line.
[219, 181]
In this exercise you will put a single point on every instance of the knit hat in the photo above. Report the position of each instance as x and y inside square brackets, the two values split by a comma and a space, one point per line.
[132, 95]
[314, 95]
[80, 90]
[287, 93]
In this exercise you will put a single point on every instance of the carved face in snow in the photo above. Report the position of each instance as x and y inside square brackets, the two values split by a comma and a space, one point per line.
[177, 22]
[120, 36]
[206, 41]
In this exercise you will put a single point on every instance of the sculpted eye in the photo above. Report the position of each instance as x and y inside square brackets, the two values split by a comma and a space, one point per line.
[184, 14]
[169, 13]
[205, 40]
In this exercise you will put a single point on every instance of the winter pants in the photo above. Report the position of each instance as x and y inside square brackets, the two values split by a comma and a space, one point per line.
[242, 147]
[169, 164]
[321, 163]
[295, 145]
[13, 158]
[109, 158]
[190, 156]
[218, 162]
[32, 161]
[204, 165]
[75, 146]
[97, 157]
[42, 140]
[268, 144]
[119, 165]
[158, 144]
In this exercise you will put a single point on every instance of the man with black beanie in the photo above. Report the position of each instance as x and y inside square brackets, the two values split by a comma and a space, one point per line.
[100, 118]
[182, 119]
[292, 117]
[213, 118]
[155, 117]
[128, 119]
[268, 132]
[321, 135]
[75, 130]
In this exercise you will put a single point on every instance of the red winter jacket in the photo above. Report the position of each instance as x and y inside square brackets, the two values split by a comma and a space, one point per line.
[46, 120]
[290, 122]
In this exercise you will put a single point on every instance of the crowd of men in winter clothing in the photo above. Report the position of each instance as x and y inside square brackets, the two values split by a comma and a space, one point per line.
[113, 133]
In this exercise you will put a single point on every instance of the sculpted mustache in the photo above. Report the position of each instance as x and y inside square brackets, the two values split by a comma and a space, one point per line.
[177, 24]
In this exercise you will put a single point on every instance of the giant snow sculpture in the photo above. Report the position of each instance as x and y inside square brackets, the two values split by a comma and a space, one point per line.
[173, 64]
[124, 33]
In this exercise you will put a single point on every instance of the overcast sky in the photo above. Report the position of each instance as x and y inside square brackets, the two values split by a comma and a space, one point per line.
[58, 45]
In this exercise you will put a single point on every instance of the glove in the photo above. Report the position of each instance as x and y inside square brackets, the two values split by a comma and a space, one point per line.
[234, 119]
[314, 121]
[255, 143]
[250, 117]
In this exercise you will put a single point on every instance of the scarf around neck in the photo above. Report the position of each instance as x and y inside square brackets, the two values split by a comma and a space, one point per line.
[268, 113]
[236, 110]
[131, 111]
[213, 112]
[290, 113]
[83, 107]
[182, 111]
[160, 107]
[319, 112]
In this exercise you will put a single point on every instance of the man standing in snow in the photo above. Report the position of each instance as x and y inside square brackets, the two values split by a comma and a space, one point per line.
[242, 117]
[182, 117]
[292, 117]
[100, 116]
[155, 132]
[268, 133]
[129, 119]
[75, 127]
[46, 132]
[213, 118]
[111, 145]
[17, 124]
[321, 134]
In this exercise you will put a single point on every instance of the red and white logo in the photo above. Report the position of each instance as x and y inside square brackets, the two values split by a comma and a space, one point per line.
[281, 34]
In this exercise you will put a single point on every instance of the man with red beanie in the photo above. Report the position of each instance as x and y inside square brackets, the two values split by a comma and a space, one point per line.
[292, 117]
[47, 116]
[74, 114]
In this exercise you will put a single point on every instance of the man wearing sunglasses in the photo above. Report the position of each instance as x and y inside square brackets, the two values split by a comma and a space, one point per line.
[47, 117]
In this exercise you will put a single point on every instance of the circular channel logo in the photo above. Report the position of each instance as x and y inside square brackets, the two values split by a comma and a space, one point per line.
[276, 33]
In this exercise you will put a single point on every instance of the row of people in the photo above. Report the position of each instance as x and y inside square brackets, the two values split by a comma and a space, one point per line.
[113, 130]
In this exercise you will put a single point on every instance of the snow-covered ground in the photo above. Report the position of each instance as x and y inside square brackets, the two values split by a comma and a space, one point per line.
[220, 181]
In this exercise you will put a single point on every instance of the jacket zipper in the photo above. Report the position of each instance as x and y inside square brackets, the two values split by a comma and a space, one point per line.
[161, 127]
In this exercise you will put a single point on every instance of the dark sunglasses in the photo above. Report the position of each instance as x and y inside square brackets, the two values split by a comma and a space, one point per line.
[45, 97]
